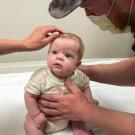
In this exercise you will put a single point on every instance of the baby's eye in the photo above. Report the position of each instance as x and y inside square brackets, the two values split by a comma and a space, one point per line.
[68, 55]
[54, 52]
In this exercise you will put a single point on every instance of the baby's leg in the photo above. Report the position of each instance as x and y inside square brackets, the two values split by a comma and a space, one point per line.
[30, 127]
[79, 128]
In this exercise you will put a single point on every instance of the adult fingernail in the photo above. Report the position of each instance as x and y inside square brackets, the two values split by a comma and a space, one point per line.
[67, 81]
[56, 33]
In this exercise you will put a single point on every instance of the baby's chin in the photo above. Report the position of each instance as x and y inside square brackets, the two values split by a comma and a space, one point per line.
[59, 74]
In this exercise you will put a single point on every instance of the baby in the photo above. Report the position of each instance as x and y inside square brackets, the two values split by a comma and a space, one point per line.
[64, 56]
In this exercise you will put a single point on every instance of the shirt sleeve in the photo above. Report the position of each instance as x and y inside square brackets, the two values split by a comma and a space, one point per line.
[34, 85]
[84, 81]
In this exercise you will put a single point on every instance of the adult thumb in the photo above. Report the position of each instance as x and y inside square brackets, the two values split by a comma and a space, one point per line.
[51, 37]
[85, 69]
[72, 87]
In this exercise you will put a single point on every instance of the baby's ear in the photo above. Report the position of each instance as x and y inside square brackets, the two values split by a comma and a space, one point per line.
[78, 64]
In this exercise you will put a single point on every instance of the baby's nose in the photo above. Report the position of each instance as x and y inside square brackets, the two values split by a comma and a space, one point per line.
[60, 57]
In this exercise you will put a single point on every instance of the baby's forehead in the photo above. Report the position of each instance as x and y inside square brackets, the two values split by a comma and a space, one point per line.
[65, 38]
[65, 42]
[65, 45]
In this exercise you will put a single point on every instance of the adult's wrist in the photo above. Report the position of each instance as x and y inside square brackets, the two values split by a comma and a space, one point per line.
[25, 45]
[89, 114]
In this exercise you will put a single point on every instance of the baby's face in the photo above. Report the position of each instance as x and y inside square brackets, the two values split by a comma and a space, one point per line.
[63, 57]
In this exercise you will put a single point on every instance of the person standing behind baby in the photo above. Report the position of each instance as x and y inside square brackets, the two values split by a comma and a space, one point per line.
[64, 56]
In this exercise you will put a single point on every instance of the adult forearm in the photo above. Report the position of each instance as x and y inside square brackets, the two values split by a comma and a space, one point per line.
[120, 73]
[9, 46]
[36, 40]
[111, 122]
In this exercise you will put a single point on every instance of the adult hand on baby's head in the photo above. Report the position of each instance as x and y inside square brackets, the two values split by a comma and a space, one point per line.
[39, 38]
[71, 106]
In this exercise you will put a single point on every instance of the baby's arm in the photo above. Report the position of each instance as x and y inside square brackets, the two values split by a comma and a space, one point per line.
[33, 110]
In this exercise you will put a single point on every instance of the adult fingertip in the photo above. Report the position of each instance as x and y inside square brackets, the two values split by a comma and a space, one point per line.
[55, 34]
[67, 82]
[42, 96]
[81, 67]
[71, 86]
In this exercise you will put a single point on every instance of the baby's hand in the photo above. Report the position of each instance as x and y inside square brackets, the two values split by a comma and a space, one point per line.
[40, 120]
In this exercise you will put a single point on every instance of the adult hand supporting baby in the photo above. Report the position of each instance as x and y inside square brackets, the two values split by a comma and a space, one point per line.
[71, 106]
[75, 106]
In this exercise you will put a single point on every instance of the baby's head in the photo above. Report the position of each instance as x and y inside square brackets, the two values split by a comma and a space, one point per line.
[65, 54]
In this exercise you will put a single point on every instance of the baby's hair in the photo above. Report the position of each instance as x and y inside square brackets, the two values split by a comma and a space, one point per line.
[78, 39]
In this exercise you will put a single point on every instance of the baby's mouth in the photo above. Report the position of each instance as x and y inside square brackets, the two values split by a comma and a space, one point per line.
[58, 65]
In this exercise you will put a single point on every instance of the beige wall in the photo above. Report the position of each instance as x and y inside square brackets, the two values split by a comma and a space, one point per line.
[19, 17]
